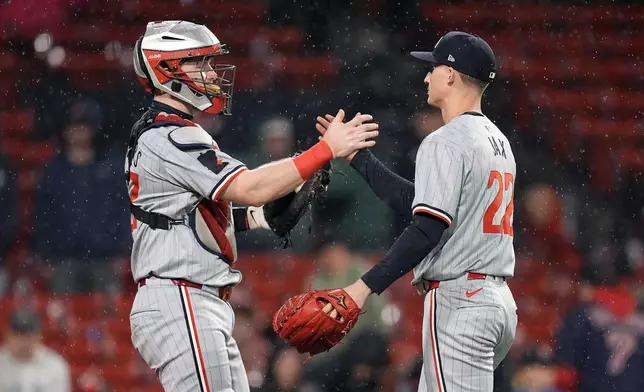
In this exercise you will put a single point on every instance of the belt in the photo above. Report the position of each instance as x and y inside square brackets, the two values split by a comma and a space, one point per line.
[423, 286]
[222, 292]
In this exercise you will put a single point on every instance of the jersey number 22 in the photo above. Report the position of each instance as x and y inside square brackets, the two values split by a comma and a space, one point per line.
[506, 184]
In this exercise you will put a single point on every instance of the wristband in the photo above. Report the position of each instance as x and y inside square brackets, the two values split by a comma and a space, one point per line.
[313, 159]
[256, 219]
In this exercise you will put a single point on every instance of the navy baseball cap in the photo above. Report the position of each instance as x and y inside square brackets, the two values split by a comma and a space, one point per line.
[465, 53]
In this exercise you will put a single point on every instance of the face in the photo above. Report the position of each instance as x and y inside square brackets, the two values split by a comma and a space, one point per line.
[244, 329]
[335, 259]
[288, 367]
[78, 135]
[438, 81]
[278, 147]
[21, 346]
[199, 72]
[425, 123]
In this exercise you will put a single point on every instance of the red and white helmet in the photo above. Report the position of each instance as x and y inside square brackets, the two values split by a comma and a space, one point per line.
[158, 56]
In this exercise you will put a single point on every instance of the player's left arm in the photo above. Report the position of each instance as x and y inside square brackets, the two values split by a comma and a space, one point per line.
[249, 218]
[412, 246]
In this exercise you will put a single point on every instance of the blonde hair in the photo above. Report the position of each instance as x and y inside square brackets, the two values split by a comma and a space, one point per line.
[474, 82]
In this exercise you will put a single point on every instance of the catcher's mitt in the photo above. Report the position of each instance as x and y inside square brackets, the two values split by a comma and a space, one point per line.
[283, 214]
[302, 322]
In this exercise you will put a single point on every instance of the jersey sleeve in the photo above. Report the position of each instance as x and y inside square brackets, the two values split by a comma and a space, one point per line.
[438, 180]
[206, 171]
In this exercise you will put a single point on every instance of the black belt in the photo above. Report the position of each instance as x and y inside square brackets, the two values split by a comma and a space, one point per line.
[153, 219]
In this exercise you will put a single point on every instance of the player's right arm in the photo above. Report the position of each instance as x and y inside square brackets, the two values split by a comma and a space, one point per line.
[193, 161]
[273, 180]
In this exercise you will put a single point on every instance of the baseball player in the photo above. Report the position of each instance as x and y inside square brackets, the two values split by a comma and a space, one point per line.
[459, 243]
[181, 187]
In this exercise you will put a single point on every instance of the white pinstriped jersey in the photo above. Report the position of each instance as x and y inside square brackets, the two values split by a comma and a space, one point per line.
[465, 173]
[173, 170]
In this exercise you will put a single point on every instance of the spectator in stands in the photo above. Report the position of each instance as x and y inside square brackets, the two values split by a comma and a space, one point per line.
[9, 209]
[285, 370]
[600, 346]
[532, 372]
[366, 363]
[422, 123]
[410, 379]
[25, 364]
[276, 136]
[81, 228]
[545, 237]
[253, 347]
[358, 367]
[337, 268]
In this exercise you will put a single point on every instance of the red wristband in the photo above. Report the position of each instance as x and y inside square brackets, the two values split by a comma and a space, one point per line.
[311, 160]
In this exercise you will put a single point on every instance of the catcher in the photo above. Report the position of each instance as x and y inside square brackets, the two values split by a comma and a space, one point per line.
[182, 187]
[460, 239]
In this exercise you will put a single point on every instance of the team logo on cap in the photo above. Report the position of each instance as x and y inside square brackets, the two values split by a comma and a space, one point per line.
[451, 58]
[492, 75]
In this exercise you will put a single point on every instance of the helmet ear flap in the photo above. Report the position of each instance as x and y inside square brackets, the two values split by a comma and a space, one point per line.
[139, 66]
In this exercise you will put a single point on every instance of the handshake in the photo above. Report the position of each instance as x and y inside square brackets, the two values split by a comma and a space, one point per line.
[345, 139]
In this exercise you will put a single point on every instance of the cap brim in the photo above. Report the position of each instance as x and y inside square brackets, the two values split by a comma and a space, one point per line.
[425, 56]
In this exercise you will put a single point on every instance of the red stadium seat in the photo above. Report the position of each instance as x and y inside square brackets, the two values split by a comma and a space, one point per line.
[17, 121]
[8, 60]
[609, 131]
[238, 39]
[211, 13]
[631, 158]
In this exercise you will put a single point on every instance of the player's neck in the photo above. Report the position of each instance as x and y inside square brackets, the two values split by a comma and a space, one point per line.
[175, 103]
[456, 105]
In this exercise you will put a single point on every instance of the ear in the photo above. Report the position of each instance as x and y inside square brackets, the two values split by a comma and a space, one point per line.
[451, 76]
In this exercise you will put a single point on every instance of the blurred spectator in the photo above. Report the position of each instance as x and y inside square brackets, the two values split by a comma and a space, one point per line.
[25, 364]
[253, 347]
[339, 268]
[366, 362]
[276, 137]
[410, 379]
[359, 367]
[81, 230]
[276, 141]
[421, 124]
[91, 380]
[544, 236]
[533, 366]
[285, 371]
[600, 346]
[9, 209]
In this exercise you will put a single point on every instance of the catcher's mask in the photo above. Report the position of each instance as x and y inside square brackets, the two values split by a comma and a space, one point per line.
[183, 59]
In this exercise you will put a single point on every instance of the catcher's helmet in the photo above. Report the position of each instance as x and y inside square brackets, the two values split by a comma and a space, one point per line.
[165, 46]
